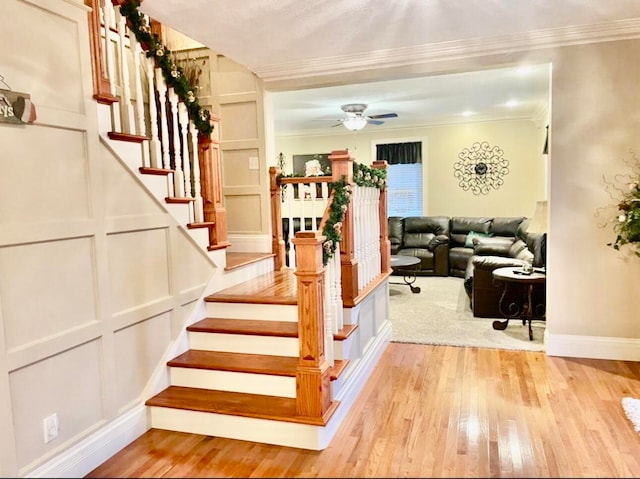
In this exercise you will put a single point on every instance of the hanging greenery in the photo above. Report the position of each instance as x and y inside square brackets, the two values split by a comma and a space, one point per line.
[363, 175]
[333, 227]
[173, 74]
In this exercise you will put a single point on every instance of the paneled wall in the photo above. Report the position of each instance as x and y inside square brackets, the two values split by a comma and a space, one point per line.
[96, 278]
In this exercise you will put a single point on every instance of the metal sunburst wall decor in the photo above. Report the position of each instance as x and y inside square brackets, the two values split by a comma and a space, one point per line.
[481, 168]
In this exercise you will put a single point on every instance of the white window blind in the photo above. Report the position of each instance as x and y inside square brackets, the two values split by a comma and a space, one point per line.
[404, 190]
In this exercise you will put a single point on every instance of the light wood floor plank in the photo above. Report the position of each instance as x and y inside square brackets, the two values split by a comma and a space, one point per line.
[438, 411]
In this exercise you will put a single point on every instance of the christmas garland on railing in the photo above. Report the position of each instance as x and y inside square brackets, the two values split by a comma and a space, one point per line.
[362, 176]
[172, 73]
[333, 227]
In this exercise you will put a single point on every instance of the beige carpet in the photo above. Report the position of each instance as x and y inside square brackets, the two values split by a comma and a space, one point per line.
[440, 314]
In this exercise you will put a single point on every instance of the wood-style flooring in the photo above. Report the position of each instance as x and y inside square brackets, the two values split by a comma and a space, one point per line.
[438, 411]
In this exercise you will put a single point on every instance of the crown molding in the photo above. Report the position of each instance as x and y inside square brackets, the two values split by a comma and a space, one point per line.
[451, 50]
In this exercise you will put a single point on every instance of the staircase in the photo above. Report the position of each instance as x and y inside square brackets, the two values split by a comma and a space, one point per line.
[239, 376]
[258, 365]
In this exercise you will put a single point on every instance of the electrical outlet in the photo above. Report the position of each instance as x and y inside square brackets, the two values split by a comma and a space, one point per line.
[50, 426]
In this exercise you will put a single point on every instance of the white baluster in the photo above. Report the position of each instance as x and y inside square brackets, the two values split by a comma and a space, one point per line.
[178, 176]
[328, 323]
[183, 116]
[336, 291]
[155, 151]
[126, 108]
[314, 194]
[161, 86]
[289, 206]
[137, 52]
[198, 205]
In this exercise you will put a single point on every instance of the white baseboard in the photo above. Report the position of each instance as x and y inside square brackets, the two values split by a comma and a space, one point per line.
[79, 460]
[594, 347]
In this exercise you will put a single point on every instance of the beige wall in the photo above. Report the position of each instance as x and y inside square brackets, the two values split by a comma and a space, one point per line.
[521, 141]
[596, 119]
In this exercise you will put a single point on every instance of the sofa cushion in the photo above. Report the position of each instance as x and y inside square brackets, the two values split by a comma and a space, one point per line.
[461, 225]
[506, 225]
[496, 246]
[468, 243]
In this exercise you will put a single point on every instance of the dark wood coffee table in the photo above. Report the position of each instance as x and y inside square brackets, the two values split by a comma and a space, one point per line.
[516, 309]
[400, 265]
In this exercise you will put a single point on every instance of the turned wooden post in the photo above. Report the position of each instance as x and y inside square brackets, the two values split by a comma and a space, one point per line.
[101, 82]
[342, 165]
[385, 244]
[277, 240]
[313, 379]
[211, 187]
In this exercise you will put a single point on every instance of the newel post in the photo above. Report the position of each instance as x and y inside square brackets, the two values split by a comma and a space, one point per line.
[277, 240]
[211, 187]
[313, 379]
[342, 165]
[385, 244]
[101, 83]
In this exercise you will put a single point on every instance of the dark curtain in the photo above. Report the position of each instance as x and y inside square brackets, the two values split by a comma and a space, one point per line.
[400, 153]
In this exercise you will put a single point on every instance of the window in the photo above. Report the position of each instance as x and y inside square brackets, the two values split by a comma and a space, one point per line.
[404, 177]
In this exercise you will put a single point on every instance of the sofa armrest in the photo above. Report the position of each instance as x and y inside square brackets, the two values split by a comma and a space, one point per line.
[438, 240]
[441, 258]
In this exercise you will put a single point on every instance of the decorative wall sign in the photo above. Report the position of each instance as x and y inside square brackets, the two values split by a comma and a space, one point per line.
[481, 168]
[16, 107]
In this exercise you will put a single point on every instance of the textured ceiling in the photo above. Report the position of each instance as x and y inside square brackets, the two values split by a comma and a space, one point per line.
[285, 40]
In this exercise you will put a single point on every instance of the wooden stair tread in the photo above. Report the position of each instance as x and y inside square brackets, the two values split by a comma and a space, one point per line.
[275, 287]
[257, 327]
[203, 224]
[236, 260]
[237, 362]
[345, 332]
[339, 366]
[237, 404]
[130, 137]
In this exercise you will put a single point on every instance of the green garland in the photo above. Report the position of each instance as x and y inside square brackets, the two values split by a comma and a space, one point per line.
[173, 74]
[362, 176]
[333, 227]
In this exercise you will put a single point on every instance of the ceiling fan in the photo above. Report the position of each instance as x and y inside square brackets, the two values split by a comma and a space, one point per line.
[357, 120]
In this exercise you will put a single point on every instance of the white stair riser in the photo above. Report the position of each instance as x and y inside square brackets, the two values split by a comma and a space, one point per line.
[243, 343]
[252, 383]
[344, 349]
[180, 211]
[279, 433]
[267, 312]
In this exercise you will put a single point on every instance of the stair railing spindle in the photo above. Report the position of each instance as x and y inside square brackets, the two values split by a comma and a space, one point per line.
[126, 108]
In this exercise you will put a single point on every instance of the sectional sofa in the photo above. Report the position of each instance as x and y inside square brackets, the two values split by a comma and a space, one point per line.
[469, 248]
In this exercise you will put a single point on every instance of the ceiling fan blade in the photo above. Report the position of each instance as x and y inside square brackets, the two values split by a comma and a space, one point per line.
[374, 122]
[384, 115]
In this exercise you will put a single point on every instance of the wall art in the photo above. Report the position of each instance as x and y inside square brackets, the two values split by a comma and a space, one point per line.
[481, 168]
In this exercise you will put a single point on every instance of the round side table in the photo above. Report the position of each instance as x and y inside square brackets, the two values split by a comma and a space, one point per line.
[512, 277]
[400, 265]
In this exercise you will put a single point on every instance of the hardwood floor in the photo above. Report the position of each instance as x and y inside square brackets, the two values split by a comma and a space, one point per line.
[438, 411]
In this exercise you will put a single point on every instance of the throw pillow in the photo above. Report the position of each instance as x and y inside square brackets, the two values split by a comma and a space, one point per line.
[475, 234]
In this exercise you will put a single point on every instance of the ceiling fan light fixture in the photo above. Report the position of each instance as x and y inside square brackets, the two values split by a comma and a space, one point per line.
[354, 123]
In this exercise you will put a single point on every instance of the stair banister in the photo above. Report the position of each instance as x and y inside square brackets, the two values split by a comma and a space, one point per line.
[342, 166]
[211, 185]
[385, 244]
[277, 239]
[313, 378]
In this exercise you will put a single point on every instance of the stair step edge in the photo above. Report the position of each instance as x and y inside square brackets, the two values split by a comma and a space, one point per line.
[256, 327]
[236, 404]
[236, 362]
